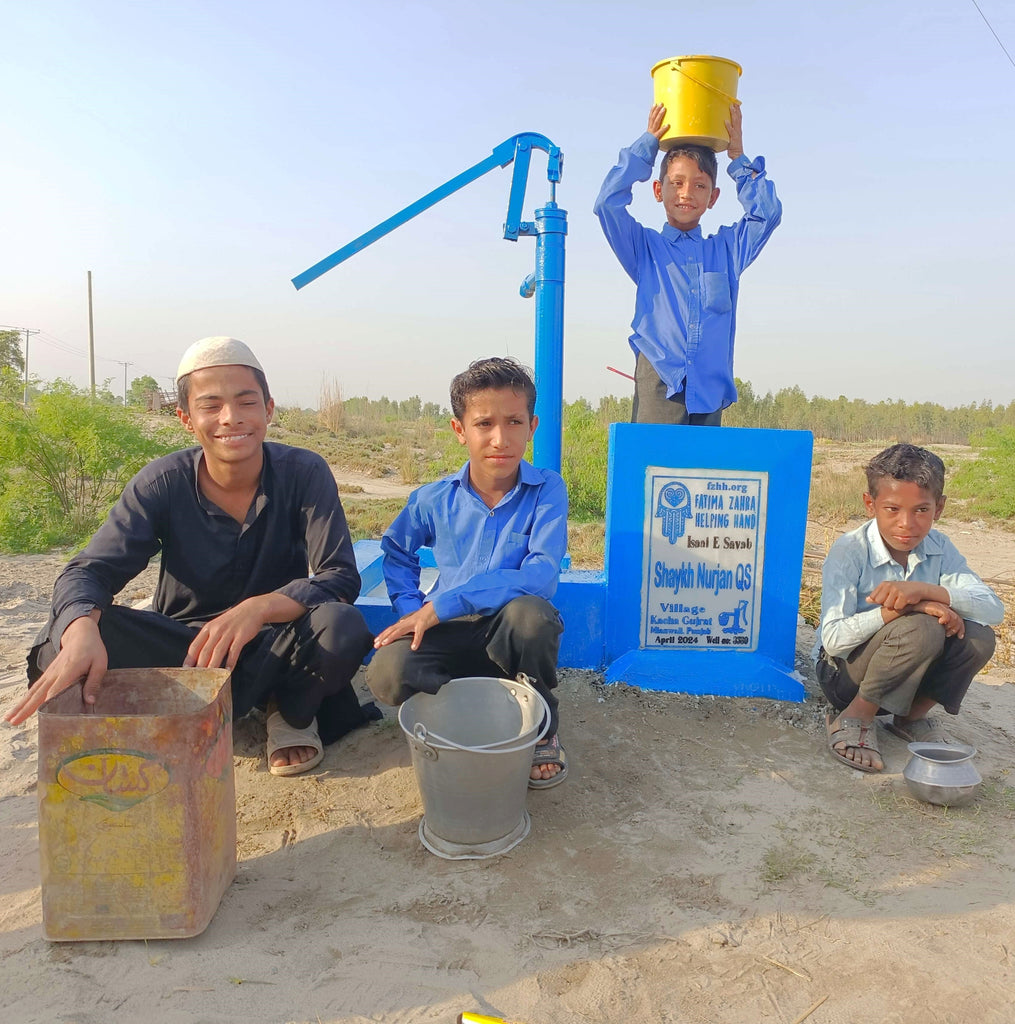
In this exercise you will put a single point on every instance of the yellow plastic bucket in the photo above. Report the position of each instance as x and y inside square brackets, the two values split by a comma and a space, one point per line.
[697, 93]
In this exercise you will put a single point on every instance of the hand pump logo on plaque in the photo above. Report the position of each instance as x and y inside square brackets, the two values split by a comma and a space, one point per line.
[704, 533]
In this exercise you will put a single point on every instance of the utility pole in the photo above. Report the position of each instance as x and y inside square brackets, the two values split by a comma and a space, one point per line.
[25, 396]
[124, 365]
[27, 333]
[91, 345]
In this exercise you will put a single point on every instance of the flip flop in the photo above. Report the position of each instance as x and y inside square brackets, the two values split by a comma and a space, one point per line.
[281, 735]
[549, 752]
[854, 732]
[921, 730]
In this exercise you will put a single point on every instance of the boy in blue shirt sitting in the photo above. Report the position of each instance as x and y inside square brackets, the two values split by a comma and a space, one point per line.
[905, 623]
[687, 285]
[498, 530]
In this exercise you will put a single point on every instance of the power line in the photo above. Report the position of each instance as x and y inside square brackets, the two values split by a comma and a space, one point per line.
[60, 346]
[993, 33]
[67, 349]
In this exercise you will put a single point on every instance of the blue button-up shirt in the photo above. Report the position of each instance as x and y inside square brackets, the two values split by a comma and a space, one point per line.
[685, 308]
[485, 556]
[859, 560]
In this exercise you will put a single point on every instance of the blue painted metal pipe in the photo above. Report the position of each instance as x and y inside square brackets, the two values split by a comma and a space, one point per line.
[551, 229]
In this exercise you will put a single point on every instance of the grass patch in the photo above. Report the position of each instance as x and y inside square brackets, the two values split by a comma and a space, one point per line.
[586, 544]
[782, 862]
[836, 494]
[368, 518]
[810, 603]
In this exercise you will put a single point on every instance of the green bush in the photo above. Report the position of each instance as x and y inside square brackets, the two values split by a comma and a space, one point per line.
[988, 482]
[30, 518]
[63, 463]
[296, 420]
[583, 461]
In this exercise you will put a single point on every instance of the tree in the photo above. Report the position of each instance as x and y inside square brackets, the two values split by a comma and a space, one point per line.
[10, 352]
[140, 388]
[11, 385]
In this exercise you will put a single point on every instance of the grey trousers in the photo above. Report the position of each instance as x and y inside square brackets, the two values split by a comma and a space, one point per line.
[524, 636]
[652, 406]
[908, 658]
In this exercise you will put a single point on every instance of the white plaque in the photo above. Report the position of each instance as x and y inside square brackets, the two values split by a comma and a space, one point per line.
[701, 577]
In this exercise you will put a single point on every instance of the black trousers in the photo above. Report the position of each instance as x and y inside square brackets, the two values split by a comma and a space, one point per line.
[524, 636]
[305, 665]
[652, 406]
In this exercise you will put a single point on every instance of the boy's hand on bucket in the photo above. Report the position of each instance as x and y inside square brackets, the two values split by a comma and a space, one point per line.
[417, 623]
[82, 656]
[735, 130]
[655, 121]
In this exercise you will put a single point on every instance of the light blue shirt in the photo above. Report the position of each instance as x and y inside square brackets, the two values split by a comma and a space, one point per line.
[859, 560]
[485, 556]
[686, 303]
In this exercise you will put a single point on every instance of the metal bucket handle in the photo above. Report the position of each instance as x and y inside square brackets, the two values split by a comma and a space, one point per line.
[424, 737]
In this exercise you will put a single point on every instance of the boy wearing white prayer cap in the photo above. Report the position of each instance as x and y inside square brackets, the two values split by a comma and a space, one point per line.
[257, 571]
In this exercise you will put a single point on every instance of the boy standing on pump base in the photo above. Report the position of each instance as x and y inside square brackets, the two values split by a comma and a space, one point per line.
[685, 308]
[498, 530]
[241, 524]
[905, 623]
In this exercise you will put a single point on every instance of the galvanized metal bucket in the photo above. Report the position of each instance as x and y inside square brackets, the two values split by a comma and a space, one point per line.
[472, 744]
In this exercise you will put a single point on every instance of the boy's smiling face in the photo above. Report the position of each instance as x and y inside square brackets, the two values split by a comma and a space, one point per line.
[686, 192]
[496, 428]
[905, 513]
[226, 414]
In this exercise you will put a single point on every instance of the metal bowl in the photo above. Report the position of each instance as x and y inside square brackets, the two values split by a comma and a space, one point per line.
[942, 773]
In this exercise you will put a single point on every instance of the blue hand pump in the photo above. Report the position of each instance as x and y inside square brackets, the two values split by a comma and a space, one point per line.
[546, 282]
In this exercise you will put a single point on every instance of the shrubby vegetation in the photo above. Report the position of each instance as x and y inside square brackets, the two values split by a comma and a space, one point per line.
[63, 462]
[988, 482]
[413, 440]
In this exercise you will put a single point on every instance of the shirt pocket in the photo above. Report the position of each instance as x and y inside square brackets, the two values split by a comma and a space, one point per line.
[515, 550]
[717, 293]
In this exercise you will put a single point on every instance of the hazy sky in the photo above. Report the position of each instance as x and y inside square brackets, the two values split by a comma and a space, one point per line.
[198, 154]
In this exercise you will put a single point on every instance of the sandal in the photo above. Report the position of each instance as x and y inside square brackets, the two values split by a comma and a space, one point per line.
[856, 733]
[549, 752]
[921, 730]
[281, 735]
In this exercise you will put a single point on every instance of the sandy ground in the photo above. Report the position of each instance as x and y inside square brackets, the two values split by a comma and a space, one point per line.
[707, 861]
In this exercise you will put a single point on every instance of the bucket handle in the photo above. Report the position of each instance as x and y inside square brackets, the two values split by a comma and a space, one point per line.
[425, 737]
[675, 64]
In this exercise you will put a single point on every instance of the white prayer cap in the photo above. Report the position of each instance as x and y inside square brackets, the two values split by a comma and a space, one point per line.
[217, 351]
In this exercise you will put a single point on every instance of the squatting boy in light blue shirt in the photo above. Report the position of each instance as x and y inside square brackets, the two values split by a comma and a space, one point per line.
[905, 623]
[859, 561]
[685, 309]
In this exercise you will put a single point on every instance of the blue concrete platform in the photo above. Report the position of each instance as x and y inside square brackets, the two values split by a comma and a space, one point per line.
[704, 552]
